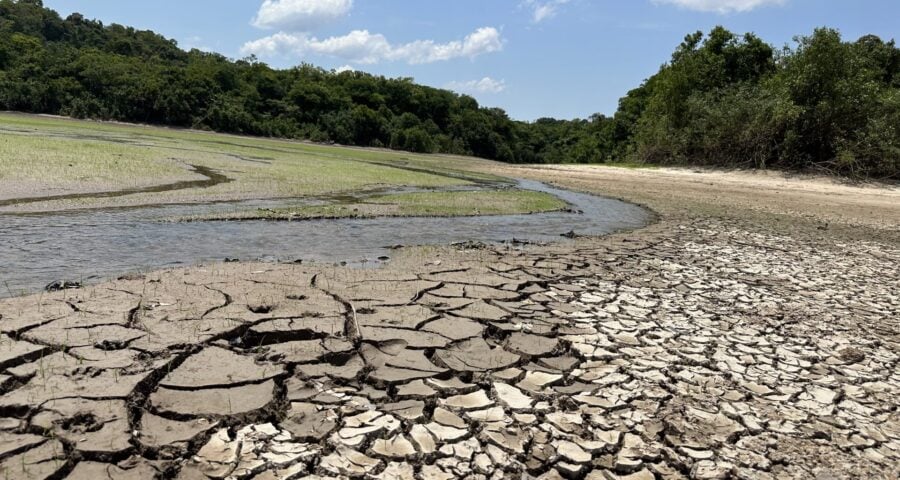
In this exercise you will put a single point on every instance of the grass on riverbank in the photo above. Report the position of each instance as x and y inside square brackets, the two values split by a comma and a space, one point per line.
[57, 156]
[36, 163]
[414, 204]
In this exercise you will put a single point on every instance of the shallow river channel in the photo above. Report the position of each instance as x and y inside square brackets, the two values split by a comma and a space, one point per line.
[86, 246]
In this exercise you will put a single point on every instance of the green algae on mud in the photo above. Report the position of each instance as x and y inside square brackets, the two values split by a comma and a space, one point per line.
[407, 204]
[71, 159]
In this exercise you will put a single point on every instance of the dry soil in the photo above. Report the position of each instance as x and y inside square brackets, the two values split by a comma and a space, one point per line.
[752, 332]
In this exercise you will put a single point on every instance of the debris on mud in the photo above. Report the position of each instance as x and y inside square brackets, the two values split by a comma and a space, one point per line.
[62, 285]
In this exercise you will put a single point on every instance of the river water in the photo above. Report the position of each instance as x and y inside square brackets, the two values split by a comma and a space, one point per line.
[92, 245]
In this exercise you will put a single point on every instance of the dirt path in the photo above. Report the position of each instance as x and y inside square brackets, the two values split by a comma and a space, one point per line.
[750, 333]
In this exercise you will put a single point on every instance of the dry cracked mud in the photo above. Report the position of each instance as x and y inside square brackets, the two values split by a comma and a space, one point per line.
[697, 348]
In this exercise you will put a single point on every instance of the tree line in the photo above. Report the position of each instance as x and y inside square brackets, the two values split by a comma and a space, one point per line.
[723, 99]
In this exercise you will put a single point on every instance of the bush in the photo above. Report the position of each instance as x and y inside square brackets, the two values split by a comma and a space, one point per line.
[414, 139]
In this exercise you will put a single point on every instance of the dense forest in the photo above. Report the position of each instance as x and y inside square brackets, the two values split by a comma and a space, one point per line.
[723, 99]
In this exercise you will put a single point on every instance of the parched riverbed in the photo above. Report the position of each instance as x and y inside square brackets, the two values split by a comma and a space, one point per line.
[707, 345]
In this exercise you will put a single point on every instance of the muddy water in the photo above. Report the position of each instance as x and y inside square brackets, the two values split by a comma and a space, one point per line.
[91, 245]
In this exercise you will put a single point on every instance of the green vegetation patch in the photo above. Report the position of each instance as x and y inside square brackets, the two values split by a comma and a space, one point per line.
[58, 162]
[491, 202]
[53, 156]
[417, 204]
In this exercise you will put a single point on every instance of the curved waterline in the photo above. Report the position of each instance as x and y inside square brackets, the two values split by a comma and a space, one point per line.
[98, 244]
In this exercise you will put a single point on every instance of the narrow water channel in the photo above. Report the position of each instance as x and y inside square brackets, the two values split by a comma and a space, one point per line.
[91, 245]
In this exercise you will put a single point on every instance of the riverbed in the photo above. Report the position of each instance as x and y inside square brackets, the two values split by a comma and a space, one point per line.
[92, 245]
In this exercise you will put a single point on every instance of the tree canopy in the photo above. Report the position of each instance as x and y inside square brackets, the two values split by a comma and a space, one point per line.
[824, 105]
[722, 99]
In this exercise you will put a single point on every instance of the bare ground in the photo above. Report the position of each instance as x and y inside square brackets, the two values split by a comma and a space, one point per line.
[752, 332]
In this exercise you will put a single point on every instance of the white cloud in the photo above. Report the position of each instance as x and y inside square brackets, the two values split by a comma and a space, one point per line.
[195, 42]
[363, 47]
[300, 15]
[485, 85]
[272, 45]
[344, 68]
[722, 6]
[543, 10]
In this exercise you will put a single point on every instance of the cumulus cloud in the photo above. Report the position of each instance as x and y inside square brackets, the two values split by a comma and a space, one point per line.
[543, 10]
[300, 15]
[721, 6]
[363, 47]
[485, 85]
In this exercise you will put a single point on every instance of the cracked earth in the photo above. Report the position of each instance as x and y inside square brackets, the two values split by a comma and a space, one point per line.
[696, 348]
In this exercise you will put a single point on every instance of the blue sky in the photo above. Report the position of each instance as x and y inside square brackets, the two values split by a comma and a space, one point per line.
[534, 58]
